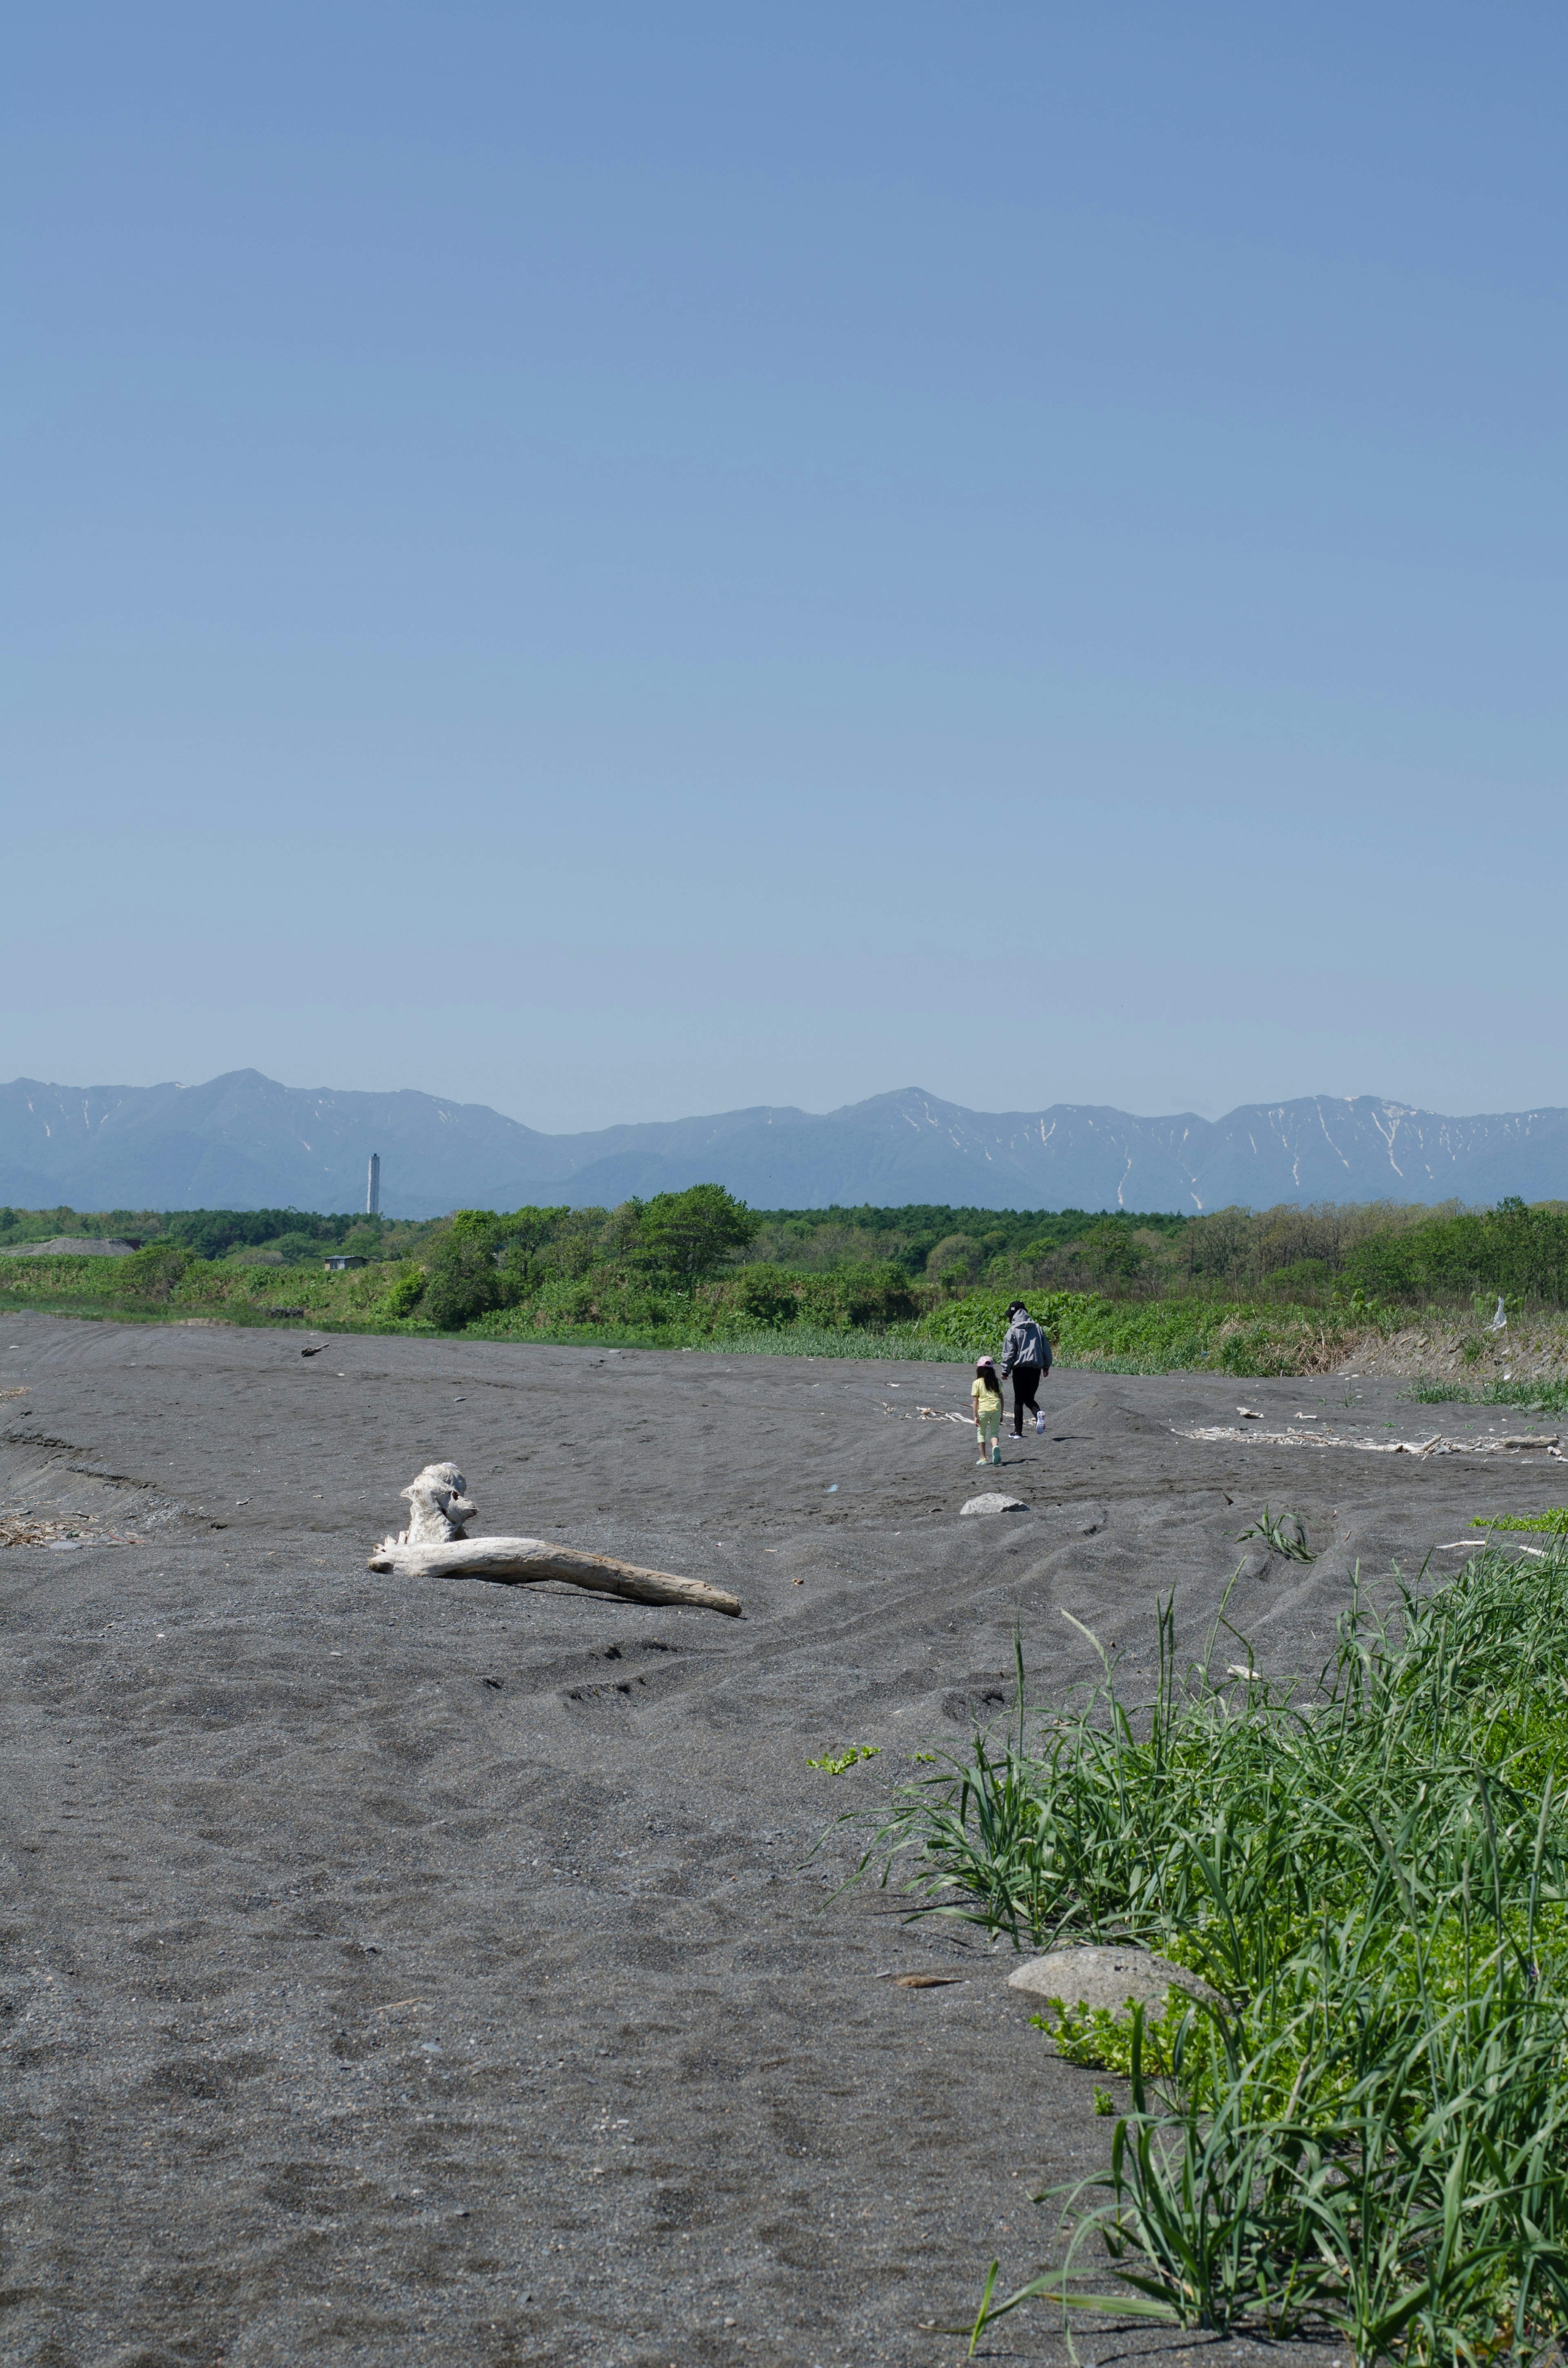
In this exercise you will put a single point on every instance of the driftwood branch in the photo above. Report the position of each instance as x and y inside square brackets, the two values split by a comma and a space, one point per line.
[525, 1560]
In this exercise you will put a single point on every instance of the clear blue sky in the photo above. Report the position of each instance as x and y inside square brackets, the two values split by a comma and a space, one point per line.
[620, 560]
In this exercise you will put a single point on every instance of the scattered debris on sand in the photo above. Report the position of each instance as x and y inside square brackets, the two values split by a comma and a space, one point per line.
[26, 1529]
[1436, 1445]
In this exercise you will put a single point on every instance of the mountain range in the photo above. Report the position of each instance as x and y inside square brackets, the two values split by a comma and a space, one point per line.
[243, 1142]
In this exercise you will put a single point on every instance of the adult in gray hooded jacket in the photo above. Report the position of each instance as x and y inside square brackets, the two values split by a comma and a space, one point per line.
[1025, 1354]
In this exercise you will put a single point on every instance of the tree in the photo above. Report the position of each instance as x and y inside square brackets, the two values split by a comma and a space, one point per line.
[954, 1260]
[1110, 1252]
[686, 1234]
[463, 1282]
[520, 1239]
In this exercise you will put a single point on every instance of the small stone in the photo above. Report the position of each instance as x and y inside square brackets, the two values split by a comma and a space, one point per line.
[1108, 1977]
[993, 1503]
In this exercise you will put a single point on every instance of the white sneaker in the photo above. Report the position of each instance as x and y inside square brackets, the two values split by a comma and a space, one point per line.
[1040, 1425]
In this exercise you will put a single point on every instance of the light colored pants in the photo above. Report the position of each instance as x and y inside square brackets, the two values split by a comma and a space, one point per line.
[987, 1431]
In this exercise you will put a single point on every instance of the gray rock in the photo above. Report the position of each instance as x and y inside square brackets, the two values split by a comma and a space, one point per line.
[994, 1504]
[1107, 1977]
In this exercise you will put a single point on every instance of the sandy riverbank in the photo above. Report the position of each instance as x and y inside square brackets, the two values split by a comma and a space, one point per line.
[407, 1971]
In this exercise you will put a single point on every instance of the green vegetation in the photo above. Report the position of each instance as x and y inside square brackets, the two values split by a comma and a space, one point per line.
[1553, 1521]
[1521, 1253]
[1283, 1534]
[957, 1248]
[284, 1237]
[1289, 1292]
[1140, 1336]
[465, 1285]
[1537, 1394]
[1369, 2132]
[1328, 1257]
[836, 1764]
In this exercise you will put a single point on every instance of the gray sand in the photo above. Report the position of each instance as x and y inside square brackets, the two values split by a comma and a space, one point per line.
[414, 1971]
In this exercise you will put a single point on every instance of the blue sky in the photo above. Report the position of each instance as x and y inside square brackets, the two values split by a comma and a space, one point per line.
[624, 560]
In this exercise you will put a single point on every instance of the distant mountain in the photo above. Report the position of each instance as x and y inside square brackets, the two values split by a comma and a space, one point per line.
[243, 1141]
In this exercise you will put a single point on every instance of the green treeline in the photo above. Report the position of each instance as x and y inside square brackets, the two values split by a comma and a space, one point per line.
[283, 1237]
[700, 1262]
[1520, 1252]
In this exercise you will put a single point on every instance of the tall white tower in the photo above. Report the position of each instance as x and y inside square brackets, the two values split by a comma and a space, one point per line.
[373, 1187]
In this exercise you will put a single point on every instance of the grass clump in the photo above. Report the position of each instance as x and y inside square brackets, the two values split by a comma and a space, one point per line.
[1369, 2134]
[1553, 1520]
[1541, 1396]
[1283, 1533]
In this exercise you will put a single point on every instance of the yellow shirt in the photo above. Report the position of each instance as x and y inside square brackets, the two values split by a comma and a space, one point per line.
[986, 1399]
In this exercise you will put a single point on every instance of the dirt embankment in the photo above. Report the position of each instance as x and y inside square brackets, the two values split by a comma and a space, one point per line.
[1530, 1349]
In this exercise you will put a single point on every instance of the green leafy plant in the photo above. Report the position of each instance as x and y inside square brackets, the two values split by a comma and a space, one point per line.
[1552, 1522]
[835, 1763]
[403, 1294]
[1283, 1534]
[1368, 2133]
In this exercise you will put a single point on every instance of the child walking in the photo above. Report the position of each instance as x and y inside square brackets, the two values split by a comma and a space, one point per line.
[986, 1392]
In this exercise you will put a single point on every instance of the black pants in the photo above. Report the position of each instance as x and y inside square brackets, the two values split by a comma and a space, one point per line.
[1026, 1381]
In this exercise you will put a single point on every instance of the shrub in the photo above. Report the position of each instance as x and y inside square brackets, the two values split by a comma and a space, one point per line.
[1304, 1280]
[153, 1273]
[403, 1294]
[765, 1295]
[977, 1322]
[461, 1282]
[859, 1296]
[601, 1299]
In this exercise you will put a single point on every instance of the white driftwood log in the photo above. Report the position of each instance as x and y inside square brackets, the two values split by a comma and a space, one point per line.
[524, 1561]
[437, 1507]
[434, 1546]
